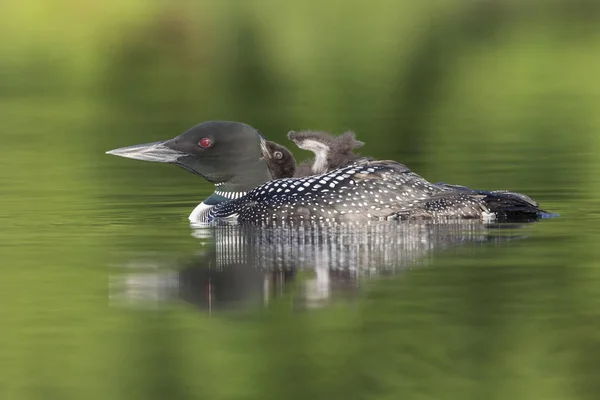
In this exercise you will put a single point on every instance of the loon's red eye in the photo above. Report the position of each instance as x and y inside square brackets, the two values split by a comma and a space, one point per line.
[205, 142]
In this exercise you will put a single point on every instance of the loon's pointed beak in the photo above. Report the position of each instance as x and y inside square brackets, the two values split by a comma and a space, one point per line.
[153, 152]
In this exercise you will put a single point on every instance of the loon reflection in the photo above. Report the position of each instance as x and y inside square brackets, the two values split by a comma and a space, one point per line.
[250, 265]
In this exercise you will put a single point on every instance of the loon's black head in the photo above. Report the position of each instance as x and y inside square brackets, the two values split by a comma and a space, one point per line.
[228, 154]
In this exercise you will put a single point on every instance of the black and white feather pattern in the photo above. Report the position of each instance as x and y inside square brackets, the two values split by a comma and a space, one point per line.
[362, 191]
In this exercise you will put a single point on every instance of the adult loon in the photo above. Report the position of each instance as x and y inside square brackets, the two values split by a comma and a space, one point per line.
[231, 155]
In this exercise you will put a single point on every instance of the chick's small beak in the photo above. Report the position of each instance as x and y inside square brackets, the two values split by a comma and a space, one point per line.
[265, 150]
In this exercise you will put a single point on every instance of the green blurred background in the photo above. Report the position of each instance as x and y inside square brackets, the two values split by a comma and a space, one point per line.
[490, 94]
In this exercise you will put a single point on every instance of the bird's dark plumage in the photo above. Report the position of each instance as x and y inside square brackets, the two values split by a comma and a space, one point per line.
[362, 191]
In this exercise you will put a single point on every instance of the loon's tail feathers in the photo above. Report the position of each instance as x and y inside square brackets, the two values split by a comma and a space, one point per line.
[506, 205]
[445, 205]
[465, 189]
[460, 202]
[512, 206]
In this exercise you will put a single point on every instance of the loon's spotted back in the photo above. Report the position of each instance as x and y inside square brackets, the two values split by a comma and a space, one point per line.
[358, 192]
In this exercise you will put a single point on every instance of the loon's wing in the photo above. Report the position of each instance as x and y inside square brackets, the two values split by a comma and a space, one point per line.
[446, 205]
[362, 191]
[368, 190]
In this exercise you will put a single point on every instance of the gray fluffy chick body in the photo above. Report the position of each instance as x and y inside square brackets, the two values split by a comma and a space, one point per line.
[331, 152]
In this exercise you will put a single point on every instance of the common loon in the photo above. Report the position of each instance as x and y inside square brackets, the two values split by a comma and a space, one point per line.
[330, 151]
[231, 156]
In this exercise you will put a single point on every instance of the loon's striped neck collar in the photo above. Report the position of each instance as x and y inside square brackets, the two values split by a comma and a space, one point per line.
[225, 191]
[222, 194]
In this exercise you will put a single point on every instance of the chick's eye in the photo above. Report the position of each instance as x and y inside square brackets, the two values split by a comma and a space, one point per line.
[205, 142]
[278, 155]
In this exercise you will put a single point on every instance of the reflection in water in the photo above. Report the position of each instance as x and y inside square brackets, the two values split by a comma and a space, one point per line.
[249, 265]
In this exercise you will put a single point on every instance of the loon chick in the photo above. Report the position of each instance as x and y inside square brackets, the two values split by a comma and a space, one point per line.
[280, 160]
[232, 156]
[330, 151]
[336, 151]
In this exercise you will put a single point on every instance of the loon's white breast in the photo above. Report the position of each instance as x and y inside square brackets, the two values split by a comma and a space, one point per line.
[199, 212]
